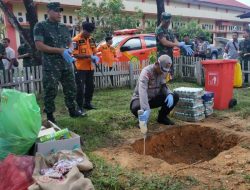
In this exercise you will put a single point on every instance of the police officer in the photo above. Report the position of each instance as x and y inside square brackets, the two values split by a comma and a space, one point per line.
[151, 91]
[84, 52]
[244, 51]
[166, 40]
[53, 38]
[108, 55]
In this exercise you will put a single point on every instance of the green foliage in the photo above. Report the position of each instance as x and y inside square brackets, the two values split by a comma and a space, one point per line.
[106, 176]
[109, 16]
[247, 178]
[2, 30]
[192, 28]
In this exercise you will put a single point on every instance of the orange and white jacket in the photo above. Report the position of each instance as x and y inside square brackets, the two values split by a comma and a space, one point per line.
[108, 54]
[84, 46]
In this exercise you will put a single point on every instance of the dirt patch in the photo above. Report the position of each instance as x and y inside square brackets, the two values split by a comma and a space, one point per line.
[218, 157]
[186, 144]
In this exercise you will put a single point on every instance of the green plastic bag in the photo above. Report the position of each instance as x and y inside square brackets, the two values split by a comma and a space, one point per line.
[20, 122]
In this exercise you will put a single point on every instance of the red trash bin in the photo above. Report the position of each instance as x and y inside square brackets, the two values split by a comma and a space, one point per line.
[219, 75]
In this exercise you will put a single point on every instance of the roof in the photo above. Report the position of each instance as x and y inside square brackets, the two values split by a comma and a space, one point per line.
[233, 3]
[245, 15]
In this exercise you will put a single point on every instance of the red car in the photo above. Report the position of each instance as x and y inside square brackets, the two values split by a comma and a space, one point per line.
[133, 47]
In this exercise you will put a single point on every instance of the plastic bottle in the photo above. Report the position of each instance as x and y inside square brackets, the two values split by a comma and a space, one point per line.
[142, 124]
[56, 136]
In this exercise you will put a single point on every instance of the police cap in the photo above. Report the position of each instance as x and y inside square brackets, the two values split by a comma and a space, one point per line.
[164, 61]
[55, 6]
[166, 16]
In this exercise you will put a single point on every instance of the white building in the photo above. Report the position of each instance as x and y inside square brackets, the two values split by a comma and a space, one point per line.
[217, 16]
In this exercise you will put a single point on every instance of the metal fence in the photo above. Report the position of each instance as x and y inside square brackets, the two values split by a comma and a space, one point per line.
[29, 79]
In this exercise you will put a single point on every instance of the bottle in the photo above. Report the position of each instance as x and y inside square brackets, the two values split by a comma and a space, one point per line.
[64, 133]
[142, 124]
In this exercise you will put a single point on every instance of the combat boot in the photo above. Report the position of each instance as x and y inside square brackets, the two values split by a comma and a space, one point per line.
[164, 120]
[51, 118]
[89, 106]
[75, 113]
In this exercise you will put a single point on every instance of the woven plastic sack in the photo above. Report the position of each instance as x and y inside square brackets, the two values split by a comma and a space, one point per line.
[16, 172]
[20, 122]
[237, 75]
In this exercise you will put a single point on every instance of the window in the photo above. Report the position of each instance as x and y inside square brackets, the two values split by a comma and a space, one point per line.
[207, 26]
[70, 19]
[150, 41]
[237, 28]
[222, 27]
[64, 19]
[132, 44]
[45, 16]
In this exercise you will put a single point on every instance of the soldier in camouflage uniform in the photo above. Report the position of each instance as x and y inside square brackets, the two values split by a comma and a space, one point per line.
[25, 53]
[166, 40]
[244, 48]
[53, 39]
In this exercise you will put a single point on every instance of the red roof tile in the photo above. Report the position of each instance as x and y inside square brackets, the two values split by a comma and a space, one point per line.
[227, 2]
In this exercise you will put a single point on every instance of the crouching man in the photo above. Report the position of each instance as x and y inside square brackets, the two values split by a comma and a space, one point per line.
[151, 91]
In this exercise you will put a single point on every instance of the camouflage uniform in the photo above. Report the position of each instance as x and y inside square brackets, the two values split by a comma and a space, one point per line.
[27, 61]
[55, 68]
[244, 47]
[169, 35]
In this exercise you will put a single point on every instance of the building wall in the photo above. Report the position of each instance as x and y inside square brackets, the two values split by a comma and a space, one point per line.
[217, 19]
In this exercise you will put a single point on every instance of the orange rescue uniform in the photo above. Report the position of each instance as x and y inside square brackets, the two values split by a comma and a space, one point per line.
[84, 47]
[108, 54]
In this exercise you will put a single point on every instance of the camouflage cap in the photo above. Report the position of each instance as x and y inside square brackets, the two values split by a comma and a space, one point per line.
[55, 6]
[166, 16]
[165, 62]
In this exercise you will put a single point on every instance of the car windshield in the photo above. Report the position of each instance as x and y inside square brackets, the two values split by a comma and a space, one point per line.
[116, 41]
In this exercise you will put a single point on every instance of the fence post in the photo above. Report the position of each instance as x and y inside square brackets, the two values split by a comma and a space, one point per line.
[131, 75]
[198, 72]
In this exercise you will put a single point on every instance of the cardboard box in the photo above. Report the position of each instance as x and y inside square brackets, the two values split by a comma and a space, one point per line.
[48, 147]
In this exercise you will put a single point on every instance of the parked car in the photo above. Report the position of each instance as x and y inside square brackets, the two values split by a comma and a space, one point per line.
[132, 47]
[212, 51]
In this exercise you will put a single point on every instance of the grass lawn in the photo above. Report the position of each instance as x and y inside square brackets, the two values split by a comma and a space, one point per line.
[103, 126]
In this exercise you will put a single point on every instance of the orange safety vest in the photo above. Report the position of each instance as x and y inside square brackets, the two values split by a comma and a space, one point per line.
[84, 47]
[108, 54]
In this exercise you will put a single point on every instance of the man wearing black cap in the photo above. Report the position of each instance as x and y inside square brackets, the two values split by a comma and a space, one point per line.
[52, 38]
[166, 40]
[151, 91]
[84, 52]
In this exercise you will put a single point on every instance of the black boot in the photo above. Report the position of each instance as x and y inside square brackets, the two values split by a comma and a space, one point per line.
[75, 113]
[164, 120]
[88, 106]
[51, 118]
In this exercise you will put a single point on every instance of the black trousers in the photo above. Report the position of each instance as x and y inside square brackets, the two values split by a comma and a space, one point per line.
[85, 86]
[111, 77]
[156, 102]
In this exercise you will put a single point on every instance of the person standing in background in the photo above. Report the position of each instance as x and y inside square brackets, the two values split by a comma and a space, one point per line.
[108, 55]
[84, 52]
[166, 40]
[10, 55]
[53, 39]
[232, 47]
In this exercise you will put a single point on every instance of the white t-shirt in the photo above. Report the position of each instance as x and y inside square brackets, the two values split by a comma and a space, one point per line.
[10, 54]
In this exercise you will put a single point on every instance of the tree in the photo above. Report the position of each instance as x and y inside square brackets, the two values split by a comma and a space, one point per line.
[32, 19]
[193, 29]
[160, 9]
[108, 15]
